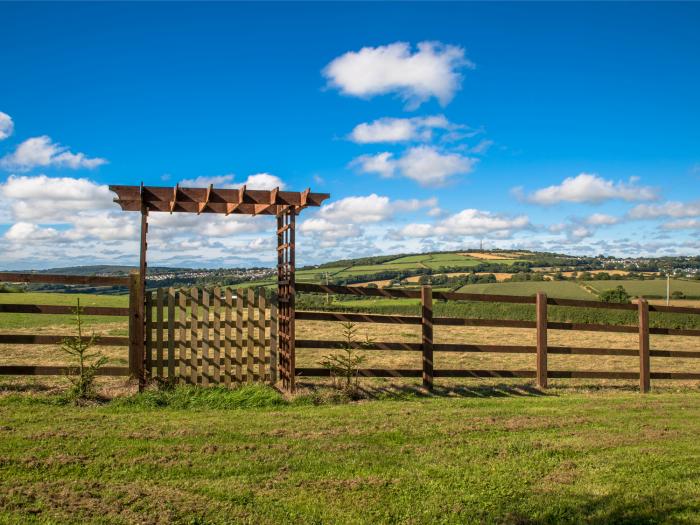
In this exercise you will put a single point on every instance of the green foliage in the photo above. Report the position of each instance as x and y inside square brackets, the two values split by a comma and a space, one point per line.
[85, 364]
[677, 294]
[615, 295]
[344, 366]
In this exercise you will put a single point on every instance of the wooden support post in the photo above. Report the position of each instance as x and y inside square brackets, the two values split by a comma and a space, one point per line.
[136, 329]
[541, 317]
[644, 362]
[142, 292]
[427, 335]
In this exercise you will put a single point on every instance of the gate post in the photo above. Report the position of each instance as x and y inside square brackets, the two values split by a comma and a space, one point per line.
[285, 296]
[136, 330]
[644, 363]
[426, 296]
[541, 317]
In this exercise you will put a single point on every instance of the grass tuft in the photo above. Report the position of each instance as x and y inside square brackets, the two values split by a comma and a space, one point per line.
[188, 397]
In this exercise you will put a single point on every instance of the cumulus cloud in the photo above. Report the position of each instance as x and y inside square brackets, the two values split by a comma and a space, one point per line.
[43, 153]
[673, 209]
[25, 231]
[588, 188]
[257, 181]
[433, 70]
[423, 164]
[55, 199]
[602, 219]
[370, 208]
[389, 129]
[468, 223]
[6, 125]
[682, 224]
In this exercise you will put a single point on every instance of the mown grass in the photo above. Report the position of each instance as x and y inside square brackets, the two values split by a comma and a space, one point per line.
[506, 456]
[558, 289]
[651, 288]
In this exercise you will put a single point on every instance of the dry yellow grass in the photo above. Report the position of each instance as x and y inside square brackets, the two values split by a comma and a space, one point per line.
[491, 256]
[50, 355]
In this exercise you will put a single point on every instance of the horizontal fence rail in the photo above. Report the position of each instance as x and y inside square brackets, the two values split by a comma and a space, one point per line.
[57, 339]
[542, 325]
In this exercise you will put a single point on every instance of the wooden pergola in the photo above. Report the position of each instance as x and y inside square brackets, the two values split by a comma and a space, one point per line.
[285, 205]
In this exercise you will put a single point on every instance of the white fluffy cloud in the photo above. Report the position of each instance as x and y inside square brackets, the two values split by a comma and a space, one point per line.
[602, 219]
[370, 208]
[589, 188]
[673, 209]
[6, 125]
[43, 153]
[53, 199]
[257, 181]
[424, 164]
[468, 223]
[400, 129]
[431, 71]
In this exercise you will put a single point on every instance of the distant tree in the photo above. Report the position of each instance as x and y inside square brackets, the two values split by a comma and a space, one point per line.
[615, 295]
[677, 294]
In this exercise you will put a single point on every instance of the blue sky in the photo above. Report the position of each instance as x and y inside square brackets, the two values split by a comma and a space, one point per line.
[568, 127]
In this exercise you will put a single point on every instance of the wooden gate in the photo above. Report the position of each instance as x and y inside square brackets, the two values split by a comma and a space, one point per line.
[210, 336]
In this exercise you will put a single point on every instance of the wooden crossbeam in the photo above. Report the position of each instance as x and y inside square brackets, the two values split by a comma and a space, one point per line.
[174, 201]
[231, 206]
[207, 197]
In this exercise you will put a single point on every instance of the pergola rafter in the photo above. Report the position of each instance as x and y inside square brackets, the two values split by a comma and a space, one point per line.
[285, 205]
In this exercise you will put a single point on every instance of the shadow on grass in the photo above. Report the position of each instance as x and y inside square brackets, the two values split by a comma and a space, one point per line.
[618, 508]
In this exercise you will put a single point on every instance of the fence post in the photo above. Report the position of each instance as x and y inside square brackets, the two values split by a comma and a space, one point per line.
[541, 316]
[136, 330]
[427, 335]
[644, 362]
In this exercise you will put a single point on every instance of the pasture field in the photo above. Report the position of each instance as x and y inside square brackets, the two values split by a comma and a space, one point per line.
[651, 288]
[500, 455]
[558, 289]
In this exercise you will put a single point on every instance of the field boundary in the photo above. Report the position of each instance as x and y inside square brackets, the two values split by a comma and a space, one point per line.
[540, 302]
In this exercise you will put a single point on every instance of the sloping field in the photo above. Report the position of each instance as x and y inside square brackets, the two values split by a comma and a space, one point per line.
[501, 455]
[558, 289]
[657, 287]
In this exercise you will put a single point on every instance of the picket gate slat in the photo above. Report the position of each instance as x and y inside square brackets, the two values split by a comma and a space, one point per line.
[211, 337]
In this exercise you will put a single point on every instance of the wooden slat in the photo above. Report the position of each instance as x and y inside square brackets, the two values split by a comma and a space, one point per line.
[673, 353]
[228, 315]
[204, 374]
[356, 318]
[171, 334]
[427, 335]
[62, 310]
[89, 280]
[182, 343]
[541, 316]
[583, 303]
[273, 343]
[386, 372]
[159, 331]
[216, 350]
[149, 333]
[500, 323]
[256, 361]
[496, 349]
[567, 350]
[306, 343]
[590, 374]
[553, 325]
[194, 337]
[261, 334]
[687, 376]
[239, 334]
[644, 363]
[32, 339]
[40, 370]
[250, 370]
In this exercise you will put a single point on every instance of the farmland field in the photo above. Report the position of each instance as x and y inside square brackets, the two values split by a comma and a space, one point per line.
[559, 289]
[501, 455]
[651, 288]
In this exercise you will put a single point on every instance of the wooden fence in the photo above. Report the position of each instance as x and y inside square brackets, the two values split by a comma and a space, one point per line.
[49, 339]
[542, 325]
[209, 336]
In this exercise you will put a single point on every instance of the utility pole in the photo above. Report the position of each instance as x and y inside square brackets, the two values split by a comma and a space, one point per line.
[668, 287]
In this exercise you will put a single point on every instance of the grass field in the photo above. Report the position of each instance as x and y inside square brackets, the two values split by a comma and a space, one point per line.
[558, 289]
[501, 455]
[651, 288]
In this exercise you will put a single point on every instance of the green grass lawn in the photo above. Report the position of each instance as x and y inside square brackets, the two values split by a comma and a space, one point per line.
[12, 321]
[558, 289]
[655, 288]
[490, 456]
